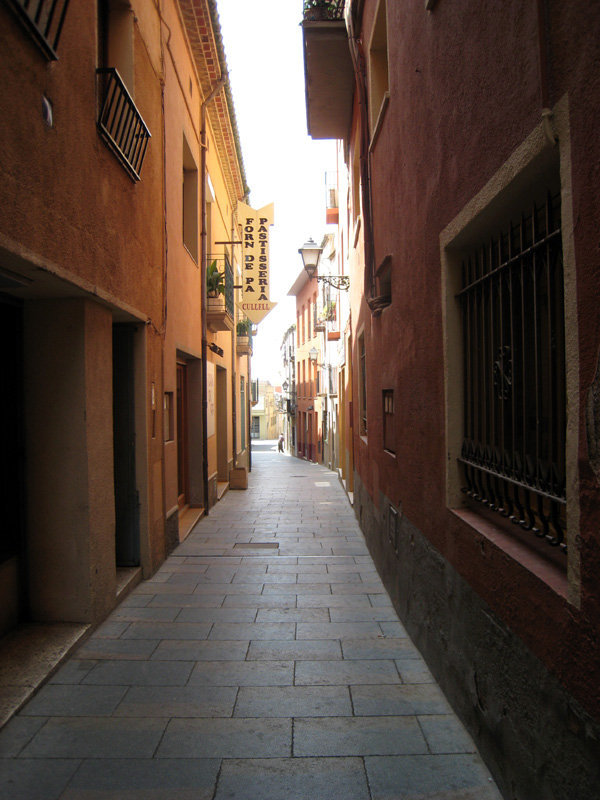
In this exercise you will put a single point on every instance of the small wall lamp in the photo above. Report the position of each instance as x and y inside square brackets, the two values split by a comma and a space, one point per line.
[311, 254]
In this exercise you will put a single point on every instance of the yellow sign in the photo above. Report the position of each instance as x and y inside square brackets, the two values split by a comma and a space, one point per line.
[255, 261]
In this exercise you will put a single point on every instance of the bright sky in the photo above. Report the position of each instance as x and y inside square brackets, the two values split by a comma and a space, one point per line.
[263, 46]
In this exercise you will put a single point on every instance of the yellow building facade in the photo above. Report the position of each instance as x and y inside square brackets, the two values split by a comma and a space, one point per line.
[126, 396]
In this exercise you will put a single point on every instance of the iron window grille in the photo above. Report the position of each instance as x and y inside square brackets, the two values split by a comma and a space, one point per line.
[513, 452]
[333, 380]
[229, 299]
[388, 420]
[120, 123]
[362, 358]
[44, 21]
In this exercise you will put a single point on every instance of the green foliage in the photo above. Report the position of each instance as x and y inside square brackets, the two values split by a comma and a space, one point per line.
[323, 9]
[244, 327]
[215, 280]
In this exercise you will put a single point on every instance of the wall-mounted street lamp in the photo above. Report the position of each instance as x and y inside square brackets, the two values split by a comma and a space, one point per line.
[311, 253]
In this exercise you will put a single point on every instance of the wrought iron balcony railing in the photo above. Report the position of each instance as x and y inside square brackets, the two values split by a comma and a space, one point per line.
[324, 9]
[44, 20]
[121, 124]
[229, 299]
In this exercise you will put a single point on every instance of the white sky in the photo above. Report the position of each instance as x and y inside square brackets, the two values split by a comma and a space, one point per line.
[263, 47]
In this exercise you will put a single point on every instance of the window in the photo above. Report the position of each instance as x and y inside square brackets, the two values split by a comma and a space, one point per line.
[119, 122]
[513, 451]
[44, 21]
[190, 202]
[243, 411]
[378, 70]
[510, 442]
[115, 30]
[355, 188]
[388, 420]
[362, 381]
[168, 417]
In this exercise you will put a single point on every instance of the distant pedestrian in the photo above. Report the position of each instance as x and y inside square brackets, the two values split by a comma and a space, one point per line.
[280, 443]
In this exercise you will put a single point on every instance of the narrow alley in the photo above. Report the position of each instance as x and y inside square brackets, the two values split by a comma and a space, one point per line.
[263, 661]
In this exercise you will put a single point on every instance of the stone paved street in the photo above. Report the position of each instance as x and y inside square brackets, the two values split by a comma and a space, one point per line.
[263, 661]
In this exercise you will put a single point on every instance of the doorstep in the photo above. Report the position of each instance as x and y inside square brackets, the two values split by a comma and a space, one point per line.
[188, 517]
[31, 654]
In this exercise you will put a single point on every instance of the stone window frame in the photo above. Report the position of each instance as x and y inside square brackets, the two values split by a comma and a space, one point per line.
[522, 167]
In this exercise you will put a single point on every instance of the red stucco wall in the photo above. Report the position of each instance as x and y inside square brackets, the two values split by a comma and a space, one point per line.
[465, 92]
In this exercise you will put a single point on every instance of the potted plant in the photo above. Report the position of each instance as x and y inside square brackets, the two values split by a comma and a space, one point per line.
[244, 342]
[321, 9]
[215, 281]
[243, 327]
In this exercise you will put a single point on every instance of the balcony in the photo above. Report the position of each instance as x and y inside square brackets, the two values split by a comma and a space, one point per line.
[219, 300]
[121, 124]
[328, 72]
[332, 207]
[43, 19]
[244, 345]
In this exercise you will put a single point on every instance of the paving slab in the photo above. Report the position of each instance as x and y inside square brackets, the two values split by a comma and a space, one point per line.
[334, 673]
[242, 673]
[358, 736]
[227, 738]
[144, 779]
[96, 737]
[35, 778]
[297, 778]
[294, 701]
[443, 777]
[178, 701]
[64, 700]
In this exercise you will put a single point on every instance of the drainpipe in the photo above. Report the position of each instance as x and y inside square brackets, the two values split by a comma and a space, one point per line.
[544, 58]
[358, 62]
[233, 347]
[203, 259]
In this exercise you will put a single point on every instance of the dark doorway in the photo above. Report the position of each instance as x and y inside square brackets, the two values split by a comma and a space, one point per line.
[127, 509]
[182, 436]
[12, 494]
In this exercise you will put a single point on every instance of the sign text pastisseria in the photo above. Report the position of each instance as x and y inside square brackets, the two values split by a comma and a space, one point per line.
[255, 260]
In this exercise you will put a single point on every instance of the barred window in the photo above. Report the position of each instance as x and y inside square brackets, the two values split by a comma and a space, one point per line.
[362, 397]
[388, 420]
[513, 451]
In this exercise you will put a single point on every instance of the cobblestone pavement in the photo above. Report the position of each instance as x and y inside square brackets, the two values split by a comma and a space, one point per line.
[263, 661]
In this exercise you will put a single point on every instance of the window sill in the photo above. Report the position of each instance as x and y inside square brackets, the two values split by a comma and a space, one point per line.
[357, 225]
[379, 122]
[543, 568]
[190, 254]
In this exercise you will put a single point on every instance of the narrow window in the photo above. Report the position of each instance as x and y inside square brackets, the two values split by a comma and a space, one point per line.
[115, 29]
[190, 202]
[362, 366]
[168, 417]
[378, 69]
[243, 411]
[388, 420]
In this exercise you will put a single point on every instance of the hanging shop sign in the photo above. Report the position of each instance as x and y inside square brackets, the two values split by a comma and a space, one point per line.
[256, 302]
